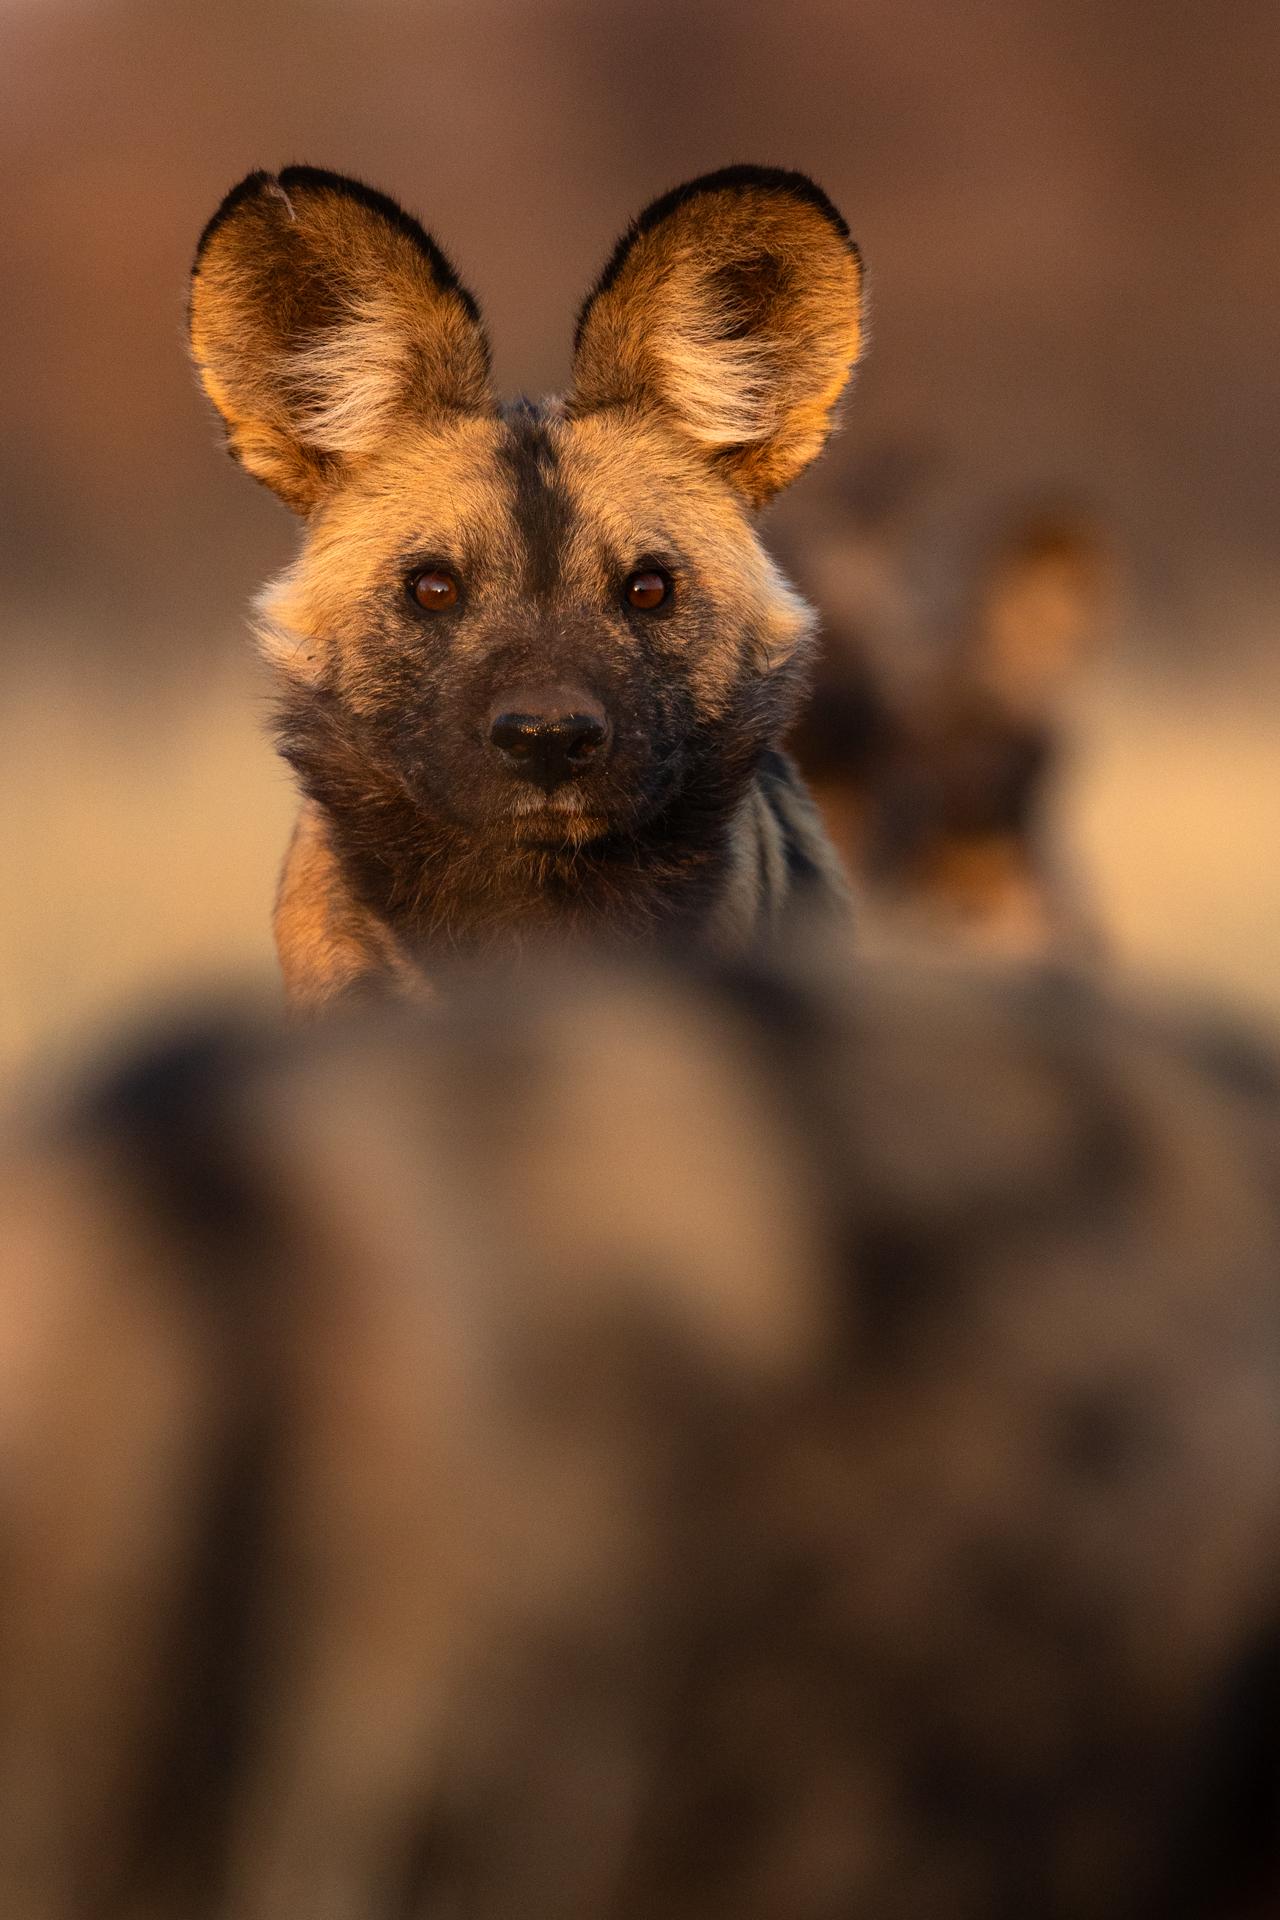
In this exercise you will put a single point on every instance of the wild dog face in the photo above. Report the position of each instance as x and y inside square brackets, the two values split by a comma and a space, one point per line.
[537, 626]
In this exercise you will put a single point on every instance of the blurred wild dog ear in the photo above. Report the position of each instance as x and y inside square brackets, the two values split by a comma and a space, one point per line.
[320, 312]
[734, 305]
[1045, 603]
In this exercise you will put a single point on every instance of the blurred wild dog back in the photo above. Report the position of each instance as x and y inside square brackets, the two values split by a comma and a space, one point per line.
[650, 1447]
[535, 667]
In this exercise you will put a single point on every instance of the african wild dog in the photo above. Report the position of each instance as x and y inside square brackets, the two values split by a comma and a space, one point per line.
[655, 1447]
[535, 664]
[933, 757]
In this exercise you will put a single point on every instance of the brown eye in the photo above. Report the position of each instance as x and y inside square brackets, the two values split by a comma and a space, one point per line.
[433, 589]
[647, 589]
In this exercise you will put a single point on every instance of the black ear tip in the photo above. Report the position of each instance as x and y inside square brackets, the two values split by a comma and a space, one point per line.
[303, 179]
[746, 178]
[296, 179]
[300, 179]
[246, 189]
[742, 178]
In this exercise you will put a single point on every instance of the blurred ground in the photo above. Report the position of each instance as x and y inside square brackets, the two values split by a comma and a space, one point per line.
[1068, 212]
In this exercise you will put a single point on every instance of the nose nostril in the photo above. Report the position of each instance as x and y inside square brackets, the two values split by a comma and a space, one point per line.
[583, 738]
[516, 734]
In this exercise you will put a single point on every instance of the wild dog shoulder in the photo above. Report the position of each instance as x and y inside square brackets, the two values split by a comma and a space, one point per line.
[329, 945]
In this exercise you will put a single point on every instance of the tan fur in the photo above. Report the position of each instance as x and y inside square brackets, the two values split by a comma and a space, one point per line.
[327, 943]
[443, 476]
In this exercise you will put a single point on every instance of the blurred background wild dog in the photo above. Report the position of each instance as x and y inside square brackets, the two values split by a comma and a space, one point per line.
[650, 1446]
[937, 757]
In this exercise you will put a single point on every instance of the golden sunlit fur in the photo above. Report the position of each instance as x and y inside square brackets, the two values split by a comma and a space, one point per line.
[351, 368]
[315, 319]
[737, 315]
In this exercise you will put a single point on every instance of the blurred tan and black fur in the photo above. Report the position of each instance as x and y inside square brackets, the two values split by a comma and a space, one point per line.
[540, 751]
[409, 1513]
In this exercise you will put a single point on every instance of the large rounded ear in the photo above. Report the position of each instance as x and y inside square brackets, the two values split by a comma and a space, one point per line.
[320, 313]
[734, 306]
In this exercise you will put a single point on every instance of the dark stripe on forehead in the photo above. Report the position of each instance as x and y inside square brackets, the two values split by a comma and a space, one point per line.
[543, 513]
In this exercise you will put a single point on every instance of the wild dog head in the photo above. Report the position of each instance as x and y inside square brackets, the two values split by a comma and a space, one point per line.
[536, 625]
[940, 780]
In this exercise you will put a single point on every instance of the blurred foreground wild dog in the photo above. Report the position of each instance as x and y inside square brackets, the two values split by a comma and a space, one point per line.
[535, 666]
[650, 1448]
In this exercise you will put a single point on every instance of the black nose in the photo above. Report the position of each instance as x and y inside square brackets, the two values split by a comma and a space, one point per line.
[548, 737]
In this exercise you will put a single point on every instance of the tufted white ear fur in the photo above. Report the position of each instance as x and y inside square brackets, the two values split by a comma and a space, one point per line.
[350, 381]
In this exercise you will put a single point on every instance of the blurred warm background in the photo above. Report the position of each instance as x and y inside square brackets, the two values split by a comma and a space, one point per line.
[1068, 210]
